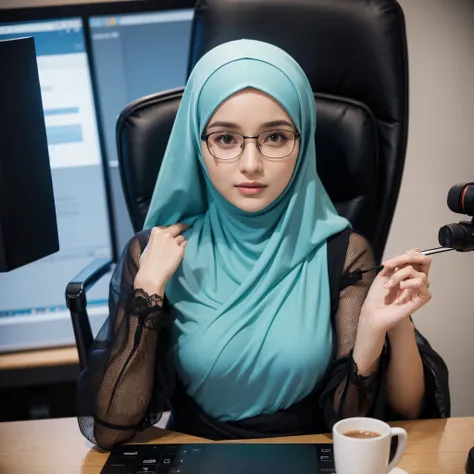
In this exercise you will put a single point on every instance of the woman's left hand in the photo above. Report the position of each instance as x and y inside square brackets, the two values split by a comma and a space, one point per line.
[399, 290]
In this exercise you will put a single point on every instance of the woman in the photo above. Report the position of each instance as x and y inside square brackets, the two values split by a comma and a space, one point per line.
[263, 331]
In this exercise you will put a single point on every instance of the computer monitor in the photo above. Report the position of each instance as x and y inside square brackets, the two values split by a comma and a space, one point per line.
[135, 55]
[32, 302]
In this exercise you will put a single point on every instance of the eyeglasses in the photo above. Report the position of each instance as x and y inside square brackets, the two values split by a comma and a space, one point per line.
[272, 144]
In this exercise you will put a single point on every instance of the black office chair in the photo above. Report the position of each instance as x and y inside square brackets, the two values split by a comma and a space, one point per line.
[355, 55]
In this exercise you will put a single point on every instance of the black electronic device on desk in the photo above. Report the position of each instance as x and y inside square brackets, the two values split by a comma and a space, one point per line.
[221, 458]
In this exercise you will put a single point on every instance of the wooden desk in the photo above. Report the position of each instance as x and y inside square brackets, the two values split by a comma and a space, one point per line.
[39, 358]
[41, 367]
[57, 447]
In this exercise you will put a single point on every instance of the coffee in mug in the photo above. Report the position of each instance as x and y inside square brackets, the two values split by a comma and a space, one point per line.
[361, 434]
[362, 446]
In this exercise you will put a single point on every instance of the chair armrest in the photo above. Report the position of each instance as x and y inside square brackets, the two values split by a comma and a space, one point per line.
[76, 289]
[76, 301]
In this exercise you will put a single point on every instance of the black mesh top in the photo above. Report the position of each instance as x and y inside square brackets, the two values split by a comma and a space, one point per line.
[130, 379]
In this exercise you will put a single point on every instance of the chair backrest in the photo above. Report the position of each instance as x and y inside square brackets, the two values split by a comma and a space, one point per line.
[354, 53]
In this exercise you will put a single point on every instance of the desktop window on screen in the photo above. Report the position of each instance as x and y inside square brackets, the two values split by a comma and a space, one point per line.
[135, 55]
[32, 305]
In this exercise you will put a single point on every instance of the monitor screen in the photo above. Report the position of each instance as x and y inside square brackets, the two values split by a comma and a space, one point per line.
[32, 303]
[135, 55]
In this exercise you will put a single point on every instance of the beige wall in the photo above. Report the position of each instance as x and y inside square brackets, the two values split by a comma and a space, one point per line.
[440, 154]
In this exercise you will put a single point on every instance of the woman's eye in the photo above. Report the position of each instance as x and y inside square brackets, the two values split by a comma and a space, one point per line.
[276, 138]
[226, 139]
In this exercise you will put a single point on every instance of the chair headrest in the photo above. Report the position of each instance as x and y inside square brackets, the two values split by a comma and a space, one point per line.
[352, 50]
[348, 48]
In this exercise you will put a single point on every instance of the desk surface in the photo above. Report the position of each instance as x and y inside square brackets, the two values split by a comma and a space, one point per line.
[56, 446]
[39, 358]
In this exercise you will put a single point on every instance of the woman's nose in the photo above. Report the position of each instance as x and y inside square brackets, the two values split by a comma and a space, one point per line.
[251, 159]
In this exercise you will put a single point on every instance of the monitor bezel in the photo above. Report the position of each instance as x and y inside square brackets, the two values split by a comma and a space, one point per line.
[86, 10]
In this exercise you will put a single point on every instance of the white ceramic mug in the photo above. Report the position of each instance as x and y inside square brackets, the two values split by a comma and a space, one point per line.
[366, 455]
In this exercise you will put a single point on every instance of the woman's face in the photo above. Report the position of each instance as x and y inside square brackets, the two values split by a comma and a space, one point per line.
[252, 181]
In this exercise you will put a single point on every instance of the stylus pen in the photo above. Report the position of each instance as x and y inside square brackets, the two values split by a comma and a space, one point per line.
[434, 251]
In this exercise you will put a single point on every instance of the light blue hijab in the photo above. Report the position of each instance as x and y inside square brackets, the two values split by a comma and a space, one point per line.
[251, 297]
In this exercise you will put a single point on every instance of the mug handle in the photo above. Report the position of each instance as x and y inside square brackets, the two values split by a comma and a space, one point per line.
[402, 444]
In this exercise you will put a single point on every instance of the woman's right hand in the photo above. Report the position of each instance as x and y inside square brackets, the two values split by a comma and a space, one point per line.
[161, 258]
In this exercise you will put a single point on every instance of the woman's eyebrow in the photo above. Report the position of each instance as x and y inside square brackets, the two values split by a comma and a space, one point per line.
[231, 125]
[277, 123]
[223, 125]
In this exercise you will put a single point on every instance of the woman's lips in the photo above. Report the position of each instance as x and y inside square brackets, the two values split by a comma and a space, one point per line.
[249, 189]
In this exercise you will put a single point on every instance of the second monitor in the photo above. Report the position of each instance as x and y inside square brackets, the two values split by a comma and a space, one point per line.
[135, 55]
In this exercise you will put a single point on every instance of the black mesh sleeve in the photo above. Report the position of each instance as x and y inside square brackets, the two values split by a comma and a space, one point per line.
[128, 377]
[347, 394]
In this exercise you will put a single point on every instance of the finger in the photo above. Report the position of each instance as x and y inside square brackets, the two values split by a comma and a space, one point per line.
[400, 275]
[412, 283]
[414, 300]
[423, 277]
[180, 239]
[392, 271]
[403, 297]
[419, 298]
[387, 272]
[406, 274]
[425, 295]
[409, 301]
[407, 259]
[425, 267]
[176, 229]
[183, 244]
[417, 267]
